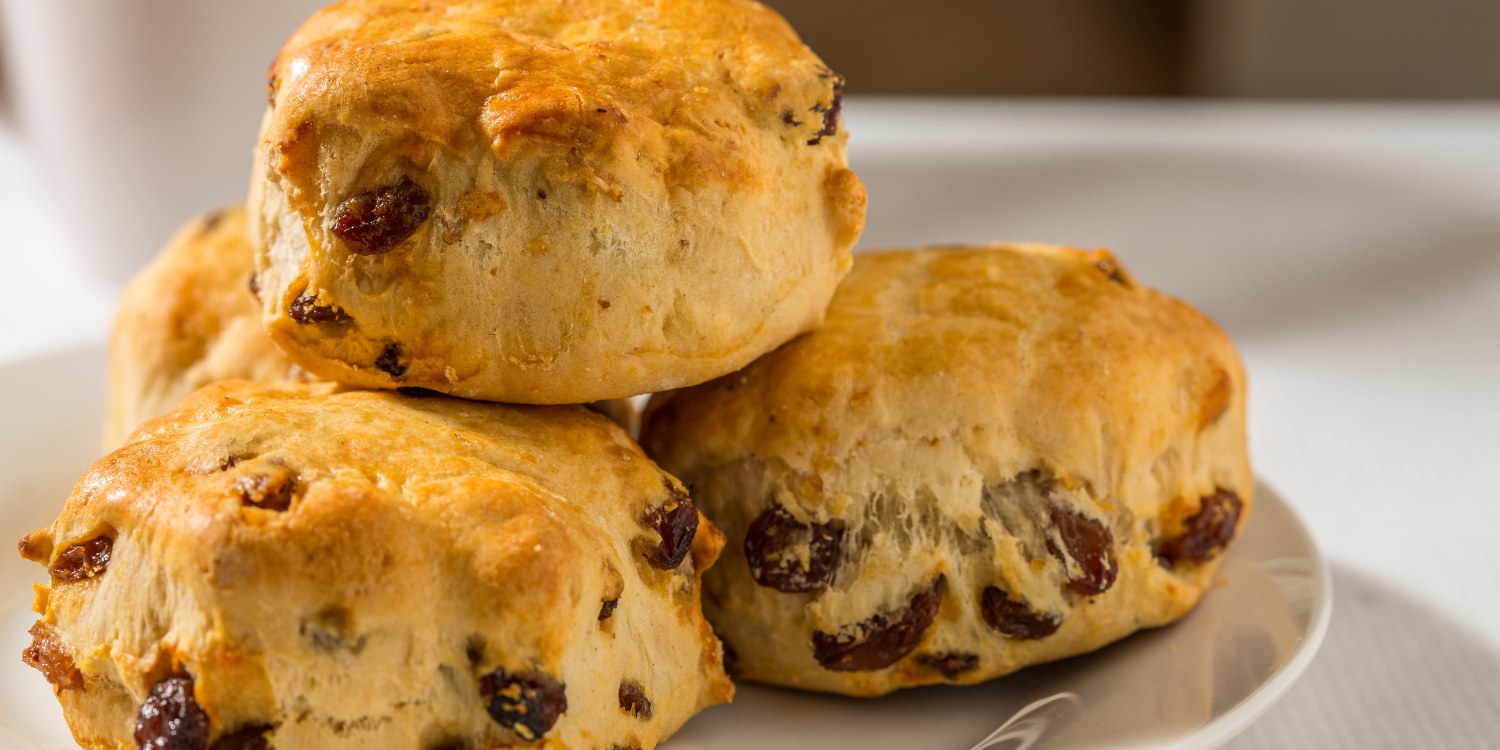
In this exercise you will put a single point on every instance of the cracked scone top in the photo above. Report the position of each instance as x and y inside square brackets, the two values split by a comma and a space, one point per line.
[987, 458]
[189, 319]
[293, 566]
[548, 202]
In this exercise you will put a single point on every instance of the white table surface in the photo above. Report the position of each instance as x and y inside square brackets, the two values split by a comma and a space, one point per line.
[1352, 251]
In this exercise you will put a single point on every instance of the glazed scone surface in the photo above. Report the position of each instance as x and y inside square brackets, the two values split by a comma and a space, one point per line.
[329, 569]
[544, 202]
[187, 320]
[987, 458]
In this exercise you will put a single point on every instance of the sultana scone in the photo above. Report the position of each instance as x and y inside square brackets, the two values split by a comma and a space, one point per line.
[534, 201]
[189, 319]
[988, 458]
[296, 567]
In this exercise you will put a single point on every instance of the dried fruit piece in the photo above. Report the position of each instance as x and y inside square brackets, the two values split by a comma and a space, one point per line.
[883, 639]
[1013, 617]
[332, 629]
[46, 655]
[376, 221]
[274, 490]
[729, 657]
[1090, 545]
[83, 561]
[830, 113]
[676, 522]
[389, 361]
[250, 738]
[1112, 268]
[634, 701]
[36, 546]
[608, 608]
[306, 311]
[272, 84]
[951, 664]
[171, 719]
[773, 543]
[1206, 533]
[211, 221]
[527, 703]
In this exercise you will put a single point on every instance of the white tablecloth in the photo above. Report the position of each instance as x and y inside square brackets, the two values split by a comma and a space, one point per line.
[1353, 252]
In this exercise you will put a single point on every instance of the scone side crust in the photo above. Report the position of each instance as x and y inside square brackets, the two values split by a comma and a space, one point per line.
[957, 383]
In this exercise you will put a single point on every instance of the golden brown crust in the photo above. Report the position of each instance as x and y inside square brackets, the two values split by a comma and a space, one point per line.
[960, 407]
[187, 320]
[349, 568]
[602, 197]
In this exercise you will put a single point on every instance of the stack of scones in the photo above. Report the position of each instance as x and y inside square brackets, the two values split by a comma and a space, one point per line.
[353, 501]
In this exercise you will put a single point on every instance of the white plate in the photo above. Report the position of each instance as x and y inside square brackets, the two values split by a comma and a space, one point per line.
[1189, 686]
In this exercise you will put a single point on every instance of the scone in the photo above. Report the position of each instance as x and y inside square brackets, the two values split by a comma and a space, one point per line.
[543, 202]
[187, 320]
[988, 457]
[296, 567]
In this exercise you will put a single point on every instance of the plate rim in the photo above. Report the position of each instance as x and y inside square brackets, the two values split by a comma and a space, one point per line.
[1236, 720]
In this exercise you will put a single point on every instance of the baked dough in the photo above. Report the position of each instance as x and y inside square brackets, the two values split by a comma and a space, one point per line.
[540, 202]
[187, 320]
[988, 458]
[314, 569]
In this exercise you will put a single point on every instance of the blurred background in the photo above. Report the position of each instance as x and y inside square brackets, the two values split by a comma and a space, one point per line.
[1340, 49]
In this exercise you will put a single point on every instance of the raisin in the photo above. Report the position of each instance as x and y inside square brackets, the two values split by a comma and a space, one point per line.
[376, 221]
[272, 84]
[306, 310]
[273, 491]
[608, 608]
[35, 547]
[254, 286]
[771, 545]
[332, 629]
[45, 655]
[1112, 268]
[389, 361]
[250, 738]
[729, 657]
[790, 118]
[211, 221]
[474, 649]
[171, 718]
[830, 113]
[634, 701]
[676, 522]
[83, 561]
[883, 639]
[415, 392]
[1206, 533]
[951, 664]
[1013, 617]
[1089, 544]
[527, 703]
